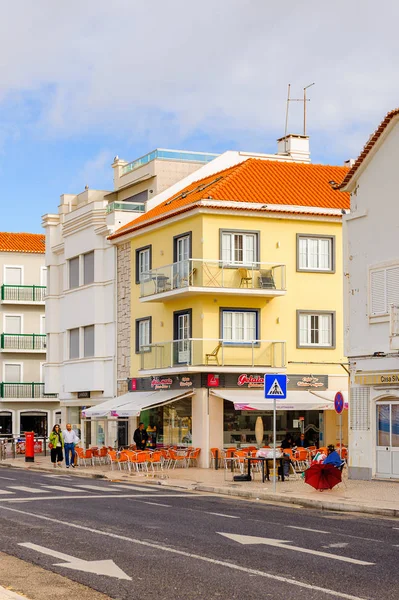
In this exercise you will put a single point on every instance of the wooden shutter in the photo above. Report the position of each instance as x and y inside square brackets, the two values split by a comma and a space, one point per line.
[378, 297]
[392, 284]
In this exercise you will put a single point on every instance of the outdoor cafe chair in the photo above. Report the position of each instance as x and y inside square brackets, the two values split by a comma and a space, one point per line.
[155, 459]
[193, 457]
[300, 460]
[177, 458]
[84, 457]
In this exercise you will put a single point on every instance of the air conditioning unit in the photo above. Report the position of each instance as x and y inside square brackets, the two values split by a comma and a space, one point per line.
[394, 326]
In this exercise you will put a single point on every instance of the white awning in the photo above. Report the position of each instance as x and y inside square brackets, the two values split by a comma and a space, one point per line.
[132, 403]
[330, 395]
[254, 400]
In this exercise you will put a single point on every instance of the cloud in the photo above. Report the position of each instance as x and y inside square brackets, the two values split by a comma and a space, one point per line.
[95, 171]
[163, 71]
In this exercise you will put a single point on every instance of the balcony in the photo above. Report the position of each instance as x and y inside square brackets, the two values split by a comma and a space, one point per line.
[125, 206]
[178, 356]
[23, 294]
[23, 390]
[196, 276]
[19, 342]
[159, 154]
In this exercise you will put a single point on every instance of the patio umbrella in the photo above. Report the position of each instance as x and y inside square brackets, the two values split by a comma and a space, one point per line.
[323, 477]
[259, 431]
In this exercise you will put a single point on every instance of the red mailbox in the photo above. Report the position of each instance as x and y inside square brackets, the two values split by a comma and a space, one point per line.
[30, 446]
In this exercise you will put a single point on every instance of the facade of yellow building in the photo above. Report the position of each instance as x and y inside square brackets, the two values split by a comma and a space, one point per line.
[237, 276]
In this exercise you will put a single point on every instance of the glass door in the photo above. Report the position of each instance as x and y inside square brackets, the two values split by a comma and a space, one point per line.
[387, 460]
[182, 333]
[182, 266]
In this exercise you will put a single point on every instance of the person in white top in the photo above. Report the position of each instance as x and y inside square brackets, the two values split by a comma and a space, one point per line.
[70, 440]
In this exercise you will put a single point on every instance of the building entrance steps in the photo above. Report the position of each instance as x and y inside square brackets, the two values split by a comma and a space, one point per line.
[370, 497]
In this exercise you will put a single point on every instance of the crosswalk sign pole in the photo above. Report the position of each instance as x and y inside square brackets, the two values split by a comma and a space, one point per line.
[274, 445]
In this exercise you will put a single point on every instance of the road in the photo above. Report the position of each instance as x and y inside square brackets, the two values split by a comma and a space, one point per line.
[168, 544]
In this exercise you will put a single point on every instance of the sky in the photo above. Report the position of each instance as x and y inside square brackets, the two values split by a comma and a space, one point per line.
[82, 81]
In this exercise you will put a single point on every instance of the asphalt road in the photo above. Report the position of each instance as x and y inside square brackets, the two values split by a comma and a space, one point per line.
[169, 544]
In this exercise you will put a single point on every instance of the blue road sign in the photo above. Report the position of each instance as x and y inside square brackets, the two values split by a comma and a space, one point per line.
[276, 386]
[339, 403]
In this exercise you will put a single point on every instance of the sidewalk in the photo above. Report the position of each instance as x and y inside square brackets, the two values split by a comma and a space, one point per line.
[370, 497]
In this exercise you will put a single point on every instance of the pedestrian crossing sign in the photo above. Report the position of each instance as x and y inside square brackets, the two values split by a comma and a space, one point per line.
[276, 386]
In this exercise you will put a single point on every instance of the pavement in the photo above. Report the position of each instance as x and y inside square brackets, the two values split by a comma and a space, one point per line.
[374, 497]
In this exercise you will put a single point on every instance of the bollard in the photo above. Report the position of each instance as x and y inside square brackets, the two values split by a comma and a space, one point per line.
[30, 446]
[216, 460]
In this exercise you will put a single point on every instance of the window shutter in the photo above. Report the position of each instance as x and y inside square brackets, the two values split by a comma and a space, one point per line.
[378, 292]
[13, 276]
[359, 409]
[226, 248]
[325, 330]
[392, 279]
[227, 325]
[12, 373]
[304, 329]
[324, 254]
[249, 258]
[303, 263]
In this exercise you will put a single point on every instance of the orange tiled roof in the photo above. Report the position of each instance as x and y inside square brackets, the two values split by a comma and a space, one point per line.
[255, 181]
[369, 146]
[33, 243]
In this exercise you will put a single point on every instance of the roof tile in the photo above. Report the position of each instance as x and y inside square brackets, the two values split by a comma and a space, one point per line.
[33, 243]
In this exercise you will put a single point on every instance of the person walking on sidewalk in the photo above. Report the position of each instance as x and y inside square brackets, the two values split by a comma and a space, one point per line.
[56, 442]
[70, 441]
[140, 437]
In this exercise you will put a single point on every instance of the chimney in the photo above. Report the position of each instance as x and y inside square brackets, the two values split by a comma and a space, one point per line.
[349, 163]
[294, 146]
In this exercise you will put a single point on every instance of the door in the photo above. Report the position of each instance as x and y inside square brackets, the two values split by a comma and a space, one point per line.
[181, 335]
[387, 459]
[182, 256]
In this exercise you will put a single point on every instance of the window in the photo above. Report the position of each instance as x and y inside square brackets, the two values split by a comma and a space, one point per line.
[143, 264]
[13, 275]
[240, 326]
[239, 247]
[88, 268]
[88, 340]
[384, 290]
[316, 329]
[12, 324]
[143, 335]
[42, 324]
[43, 276]
[74, 343]
[73, 272]
[315, 253]
[140, 197]
[12, 373]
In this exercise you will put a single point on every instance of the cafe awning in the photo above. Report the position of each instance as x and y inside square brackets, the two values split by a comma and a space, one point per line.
[132, 403]
[329, 395]
[255, 400]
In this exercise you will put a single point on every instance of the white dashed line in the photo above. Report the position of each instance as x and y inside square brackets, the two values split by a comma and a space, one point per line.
[222, 515]
[307, 529]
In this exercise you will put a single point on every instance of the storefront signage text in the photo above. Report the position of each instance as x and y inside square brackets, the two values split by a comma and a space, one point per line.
[391, 378]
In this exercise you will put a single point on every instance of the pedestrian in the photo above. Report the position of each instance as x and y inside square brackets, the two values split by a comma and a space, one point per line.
[56, 443]
[302, 441]
[70, 441]
[140, 437]
[333, 458]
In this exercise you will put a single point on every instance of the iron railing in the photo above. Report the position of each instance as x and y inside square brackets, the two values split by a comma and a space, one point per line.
[23, 390]
[22, 341]
[23, 293]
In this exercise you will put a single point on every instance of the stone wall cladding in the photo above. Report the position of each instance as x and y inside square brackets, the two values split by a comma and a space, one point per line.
[123, 285]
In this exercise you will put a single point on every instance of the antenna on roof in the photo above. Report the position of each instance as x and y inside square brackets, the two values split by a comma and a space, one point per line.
[304, 100]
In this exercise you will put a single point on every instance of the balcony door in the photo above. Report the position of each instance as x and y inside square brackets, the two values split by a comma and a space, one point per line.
[387, 463]
[181, 337]
[182, 254]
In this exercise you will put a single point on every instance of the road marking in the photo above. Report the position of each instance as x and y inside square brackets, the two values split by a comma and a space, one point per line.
[96, 488]
[58, 476]
[251, 539]
[6, 492]
[22, 488]
[60, 488]
[134, 487]
[222, 515]
[95, 496]
[213, 561]
[99, 567]
[337, 545]
[307, 529]
[9, 478]
[156, 504]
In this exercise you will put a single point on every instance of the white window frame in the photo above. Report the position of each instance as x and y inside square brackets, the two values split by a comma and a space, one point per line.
[143, 275]
[315, 313]
[389, 297]
[246, 339]
[13, 267]
[11, 362]
[230, 261]
[146, 345]
[13, 315]
[315, 238]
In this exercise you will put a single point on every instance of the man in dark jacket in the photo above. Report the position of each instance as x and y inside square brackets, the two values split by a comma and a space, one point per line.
[140, 437]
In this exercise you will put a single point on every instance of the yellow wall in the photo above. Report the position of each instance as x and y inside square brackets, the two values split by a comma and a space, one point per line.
[278, 244]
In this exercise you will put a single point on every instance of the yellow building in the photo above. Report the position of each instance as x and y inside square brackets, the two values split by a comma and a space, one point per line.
[238, 275]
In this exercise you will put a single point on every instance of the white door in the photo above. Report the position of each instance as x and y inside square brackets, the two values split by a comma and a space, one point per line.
[387, 460]
[12, 324]
[182, 259]
[13, 275]
[183, 333]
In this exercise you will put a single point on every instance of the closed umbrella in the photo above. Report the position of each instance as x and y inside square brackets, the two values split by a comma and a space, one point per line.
[323, 477]
[259, 431]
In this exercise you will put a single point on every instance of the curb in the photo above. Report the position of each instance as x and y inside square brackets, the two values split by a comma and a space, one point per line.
[304, 502]
[62, 471]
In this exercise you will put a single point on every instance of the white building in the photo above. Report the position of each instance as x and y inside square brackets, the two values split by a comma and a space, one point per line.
[371, 255]
[81, 296]
[23, 404]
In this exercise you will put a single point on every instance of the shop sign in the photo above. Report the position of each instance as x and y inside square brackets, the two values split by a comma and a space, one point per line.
[387, 378]
[83, 394]
[172, 382]
[213, 380]
[133, 385]
[294, 382]
[161, 383]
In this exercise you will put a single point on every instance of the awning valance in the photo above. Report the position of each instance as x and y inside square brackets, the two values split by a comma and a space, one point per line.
[132, 403]
[254, 400]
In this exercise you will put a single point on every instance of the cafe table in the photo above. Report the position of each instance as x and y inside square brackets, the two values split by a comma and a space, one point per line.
[265, 465]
